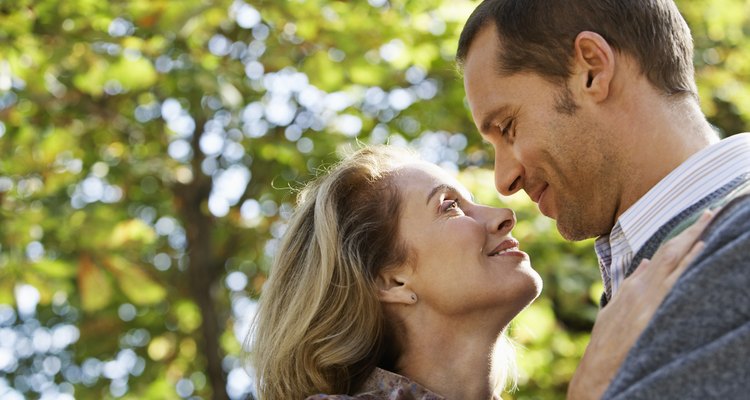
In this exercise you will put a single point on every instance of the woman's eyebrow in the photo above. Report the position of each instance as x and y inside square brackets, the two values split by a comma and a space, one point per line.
[442, 188]
[445, 188]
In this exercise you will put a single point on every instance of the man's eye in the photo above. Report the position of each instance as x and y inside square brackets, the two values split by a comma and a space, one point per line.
[506, 127]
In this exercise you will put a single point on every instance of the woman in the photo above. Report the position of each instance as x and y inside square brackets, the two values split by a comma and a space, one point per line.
[391, 283]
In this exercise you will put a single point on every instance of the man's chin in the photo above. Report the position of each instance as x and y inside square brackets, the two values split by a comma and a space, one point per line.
[575, 231]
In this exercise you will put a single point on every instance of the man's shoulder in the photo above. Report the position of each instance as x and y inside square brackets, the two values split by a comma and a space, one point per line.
[725, 257]
[731, 201]
[698, 342]
[732, 220]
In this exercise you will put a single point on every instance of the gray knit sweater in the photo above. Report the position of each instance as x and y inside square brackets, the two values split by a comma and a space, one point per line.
[697, 346]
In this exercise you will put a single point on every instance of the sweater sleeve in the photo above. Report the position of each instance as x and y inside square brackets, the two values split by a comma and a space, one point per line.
[697, 346]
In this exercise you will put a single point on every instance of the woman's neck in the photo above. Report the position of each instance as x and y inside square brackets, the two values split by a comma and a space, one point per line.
[454, 363]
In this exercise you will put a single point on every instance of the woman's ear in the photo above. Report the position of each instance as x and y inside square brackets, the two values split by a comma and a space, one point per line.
[394, 286]
[594, 65]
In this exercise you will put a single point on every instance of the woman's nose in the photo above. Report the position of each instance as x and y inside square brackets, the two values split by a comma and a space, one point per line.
[501, 220]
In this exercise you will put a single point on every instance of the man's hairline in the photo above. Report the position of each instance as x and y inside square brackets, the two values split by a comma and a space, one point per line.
[498, 68]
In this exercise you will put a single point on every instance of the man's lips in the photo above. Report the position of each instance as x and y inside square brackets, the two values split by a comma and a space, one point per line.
[537, 195]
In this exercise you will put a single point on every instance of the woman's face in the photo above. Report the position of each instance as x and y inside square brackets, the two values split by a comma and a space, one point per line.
[466, 264]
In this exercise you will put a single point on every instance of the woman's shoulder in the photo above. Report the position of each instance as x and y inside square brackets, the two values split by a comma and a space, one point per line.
[385, 385]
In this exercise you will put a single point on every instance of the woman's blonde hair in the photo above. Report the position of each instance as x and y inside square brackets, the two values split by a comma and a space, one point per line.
[319, 326]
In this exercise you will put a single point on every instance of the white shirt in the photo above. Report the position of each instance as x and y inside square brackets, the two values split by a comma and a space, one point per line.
[702, 174]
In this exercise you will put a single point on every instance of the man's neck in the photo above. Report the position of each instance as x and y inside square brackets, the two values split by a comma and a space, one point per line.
[666, 134]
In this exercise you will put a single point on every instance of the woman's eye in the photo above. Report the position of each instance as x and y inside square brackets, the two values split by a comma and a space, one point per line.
[449, 205]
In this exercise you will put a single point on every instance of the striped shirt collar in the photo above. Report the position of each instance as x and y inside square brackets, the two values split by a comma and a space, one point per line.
[702, 173]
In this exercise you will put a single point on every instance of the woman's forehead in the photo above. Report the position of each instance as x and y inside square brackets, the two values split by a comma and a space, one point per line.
[424, 176]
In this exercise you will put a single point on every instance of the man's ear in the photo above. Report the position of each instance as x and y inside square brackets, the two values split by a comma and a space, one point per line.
[593, 65]
[394, 286]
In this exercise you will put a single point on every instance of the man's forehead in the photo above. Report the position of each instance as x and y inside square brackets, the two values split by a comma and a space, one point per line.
[483, 49]
[481, 78]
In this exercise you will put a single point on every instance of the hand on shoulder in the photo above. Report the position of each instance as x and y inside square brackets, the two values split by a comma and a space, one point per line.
[619, 325]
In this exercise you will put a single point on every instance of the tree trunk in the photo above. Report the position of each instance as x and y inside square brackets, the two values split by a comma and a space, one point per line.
[203, 267]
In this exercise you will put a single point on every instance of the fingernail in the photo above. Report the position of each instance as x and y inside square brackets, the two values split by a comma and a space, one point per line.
[706, 215]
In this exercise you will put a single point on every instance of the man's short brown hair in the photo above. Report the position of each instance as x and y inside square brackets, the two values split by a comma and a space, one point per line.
[538, 36]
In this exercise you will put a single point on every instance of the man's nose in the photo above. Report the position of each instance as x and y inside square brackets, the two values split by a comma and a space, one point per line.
[508, 174]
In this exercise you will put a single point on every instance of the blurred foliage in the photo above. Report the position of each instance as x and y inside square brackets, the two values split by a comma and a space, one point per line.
[147, 151]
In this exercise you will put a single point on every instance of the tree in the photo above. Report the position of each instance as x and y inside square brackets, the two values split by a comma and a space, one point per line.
[150, 149]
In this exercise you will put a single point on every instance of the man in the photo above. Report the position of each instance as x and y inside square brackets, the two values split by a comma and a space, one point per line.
[592, 109]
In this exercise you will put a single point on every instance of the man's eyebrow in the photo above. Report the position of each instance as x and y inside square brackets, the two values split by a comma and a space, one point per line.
[488, 120]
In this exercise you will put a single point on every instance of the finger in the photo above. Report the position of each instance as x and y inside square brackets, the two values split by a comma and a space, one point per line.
[669, 255]
[687, 260]
[690, 235]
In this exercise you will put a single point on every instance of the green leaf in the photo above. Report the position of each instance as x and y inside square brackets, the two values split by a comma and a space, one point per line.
[133, 231]
[6, 292]
[138, 286]
[92, 79]
[188, 316]
[133, 73]
[55, 268]
[94, 285]
[159, 389]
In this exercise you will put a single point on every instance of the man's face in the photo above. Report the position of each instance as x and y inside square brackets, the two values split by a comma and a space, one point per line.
[545, 143]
